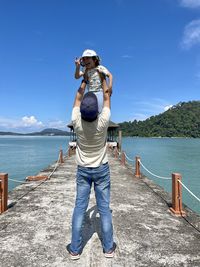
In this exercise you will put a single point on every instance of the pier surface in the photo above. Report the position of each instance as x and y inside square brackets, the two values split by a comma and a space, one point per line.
[37, 227]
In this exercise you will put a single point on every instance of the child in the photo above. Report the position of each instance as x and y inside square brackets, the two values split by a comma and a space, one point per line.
[93, 74]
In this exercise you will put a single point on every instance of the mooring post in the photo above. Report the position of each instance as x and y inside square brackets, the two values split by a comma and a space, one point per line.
[120, 141]
[177, 195]
[61, 157]
[116, 153]
[69, 151]
[3, 192]
[123, 159]
[137, 167]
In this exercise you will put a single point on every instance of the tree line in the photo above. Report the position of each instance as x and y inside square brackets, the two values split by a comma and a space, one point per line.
[181, 120]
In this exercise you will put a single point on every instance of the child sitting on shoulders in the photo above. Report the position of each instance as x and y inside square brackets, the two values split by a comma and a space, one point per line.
[93, 74]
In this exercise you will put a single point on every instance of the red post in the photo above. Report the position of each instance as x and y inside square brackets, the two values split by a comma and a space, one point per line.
[61, 157]
[177, 195]
[123, 159]
[116, 153]
[137, 167]
[4, 192]
[69, 151]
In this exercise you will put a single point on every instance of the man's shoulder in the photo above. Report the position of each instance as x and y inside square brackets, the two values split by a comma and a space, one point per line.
[105, 110]
[105, 114]
[76, 109]
[75, 114]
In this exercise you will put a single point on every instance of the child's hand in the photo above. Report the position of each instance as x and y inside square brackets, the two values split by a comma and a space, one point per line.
[77, 62]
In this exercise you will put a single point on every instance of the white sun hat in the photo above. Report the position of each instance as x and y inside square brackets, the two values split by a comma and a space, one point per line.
[89, 53]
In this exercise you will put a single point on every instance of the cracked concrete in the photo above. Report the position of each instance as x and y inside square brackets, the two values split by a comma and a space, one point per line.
[37, 227]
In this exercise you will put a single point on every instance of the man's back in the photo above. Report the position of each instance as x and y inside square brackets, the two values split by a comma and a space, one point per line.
[91, 138]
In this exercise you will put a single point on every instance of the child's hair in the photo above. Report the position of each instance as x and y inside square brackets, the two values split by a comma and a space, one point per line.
[96, 60]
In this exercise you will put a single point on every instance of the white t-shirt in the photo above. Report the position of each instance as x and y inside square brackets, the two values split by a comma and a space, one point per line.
[94, 80]
[91, 138]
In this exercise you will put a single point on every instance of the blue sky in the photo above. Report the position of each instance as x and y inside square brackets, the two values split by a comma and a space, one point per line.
[151, 47]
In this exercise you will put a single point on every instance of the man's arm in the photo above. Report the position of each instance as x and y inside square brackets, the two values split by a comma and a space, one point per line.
[106, 94]
[110, 77]
[79, 94]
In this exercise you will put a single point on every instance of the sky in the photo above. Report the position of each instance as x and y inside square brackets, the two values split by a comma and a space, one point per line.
[152, 48]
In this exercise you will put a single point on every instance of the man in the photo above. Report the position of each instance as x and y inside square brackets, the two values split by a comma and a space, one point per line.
[91, 129]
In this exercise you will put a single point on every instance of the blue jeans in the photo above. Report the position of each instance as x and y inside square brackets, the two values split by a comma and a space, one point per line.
[100, 176]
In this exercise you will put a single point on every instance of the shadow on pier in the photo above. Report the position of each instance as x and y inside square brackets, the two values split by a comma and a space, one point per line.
[36, 230]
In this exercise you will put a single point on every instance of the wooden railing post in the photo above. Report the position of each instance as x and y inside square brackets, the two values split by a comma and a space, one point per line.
[120, 140]
[137, 167]
[69, 152]
[3, 192]
[177, 195]
[116, 153]
[61, 157]
[123, 159]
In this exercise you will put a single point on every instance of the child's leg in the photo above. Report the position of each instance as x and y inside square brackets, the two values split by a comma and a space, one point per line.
[99, 96]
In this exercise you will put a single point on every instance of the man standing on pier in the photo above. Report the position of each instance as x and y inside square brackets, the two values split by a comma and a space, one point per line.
[91, 129]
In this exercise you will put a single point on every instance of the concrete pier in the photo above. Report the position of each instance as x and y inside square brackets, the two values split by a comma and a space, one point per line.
[37, 227]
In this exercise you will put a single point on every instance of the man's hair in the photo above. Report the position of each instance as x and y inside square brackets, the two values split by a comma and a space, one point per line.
[89, 107]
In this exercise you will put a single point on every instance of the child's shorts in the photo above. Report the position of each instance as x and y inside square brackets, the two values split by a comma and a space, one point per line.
[99, 96]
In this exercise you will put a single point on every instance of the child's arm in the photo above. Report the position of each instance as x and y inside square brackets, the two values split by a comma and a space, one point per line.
[78, 72]
[108, 74]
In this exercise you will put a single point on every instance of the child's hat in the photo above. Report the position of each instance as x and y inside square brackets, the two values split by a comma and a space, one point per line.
[89, 107]
[90, 53]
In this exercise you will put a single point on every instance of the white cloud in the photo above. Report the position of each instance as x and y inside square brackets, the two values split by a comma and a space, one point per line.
[191, 35]
[89, 43]
[57, 124]
[190, 3]
[29, 124]
[31, 121]
[145, 109]
[126, 56]
[139, 117]
[167, 107]
[23, 124]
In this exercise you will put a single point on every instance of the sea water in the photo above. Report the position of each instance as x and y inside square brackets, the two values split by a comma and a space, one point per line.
[22, 156]
[164, 156]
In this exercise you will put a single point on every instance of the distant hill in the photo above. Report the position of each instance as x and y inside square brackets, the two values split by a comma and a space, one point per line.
[9, 133]
[45, 132]
[182, 120]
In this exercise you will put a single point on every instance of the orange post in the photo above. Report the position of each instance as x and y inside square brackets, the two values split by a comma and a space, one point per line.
[116, 153]
[137, 167]
[123, 159]
[61, 157]
[177, 195]
[69, 152]
[4, 192]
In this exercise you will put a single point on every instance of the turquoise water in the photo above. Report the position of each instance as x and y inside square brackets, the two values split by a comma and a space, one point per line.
[21, 156]
[164, 156]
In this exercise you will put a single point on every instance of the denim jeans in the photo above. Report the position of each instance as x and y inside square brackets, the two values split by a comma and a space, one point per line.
[100, 176]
